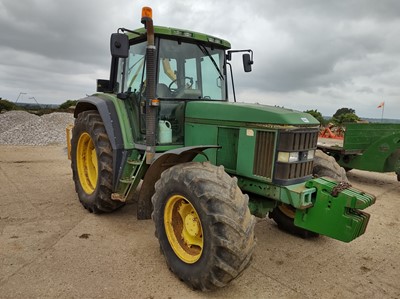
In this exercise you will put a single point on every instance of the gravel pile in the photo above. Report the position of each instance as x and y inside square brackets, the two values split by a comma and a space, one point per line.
[23, 128]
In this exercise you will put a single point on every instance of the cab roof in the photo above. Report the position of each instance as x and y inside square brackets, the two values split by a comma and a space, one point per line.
[183, 34]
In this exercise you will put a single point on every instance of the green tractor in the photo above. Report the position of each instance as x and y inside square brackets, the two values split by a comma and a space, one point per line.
[163, 119]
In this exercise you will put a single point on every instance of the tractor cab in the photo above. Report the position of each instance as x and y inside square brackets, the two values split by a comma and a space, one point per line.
[184, 66]
[185, 70]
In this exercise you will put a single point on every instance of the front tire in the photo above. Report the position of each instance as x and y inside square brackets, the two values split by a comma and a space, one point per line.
[203, 224]
[91, 163]
[283, 215]
[325, 165]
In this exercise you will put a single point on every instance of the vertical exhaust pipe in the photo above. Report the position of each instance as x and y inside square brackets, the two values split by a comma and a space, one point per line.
[151, 102]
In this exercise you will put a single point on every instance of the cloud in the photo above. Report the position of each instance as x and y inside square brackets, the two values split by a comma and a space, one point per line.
[308, 54]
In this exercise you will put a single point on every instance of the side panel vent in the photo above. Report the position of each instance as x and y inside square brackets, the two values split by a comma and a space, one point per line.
[228, 138]
[264, 154]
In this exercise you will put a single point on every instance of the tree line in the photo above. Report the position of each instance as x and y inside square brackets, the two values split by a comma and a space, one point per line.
[341, 116]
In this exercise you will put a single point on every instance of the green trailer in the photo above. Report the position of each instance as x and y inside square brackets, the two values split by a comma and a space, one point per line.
[366, 146]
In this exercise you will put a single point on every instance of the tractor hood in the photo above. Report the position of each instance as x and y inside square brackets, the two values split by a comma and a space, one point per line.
[248, 113]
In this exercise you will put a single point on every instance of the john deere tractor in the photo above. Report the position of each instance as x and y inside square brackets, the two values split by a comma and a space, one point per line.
[207, 165]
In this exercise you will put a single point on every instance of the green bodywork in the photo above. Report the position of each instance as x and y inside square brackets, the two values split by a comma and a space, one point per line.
[240, 114]
[372, 147]
[125, 118]
[237, 139]
[234, 127]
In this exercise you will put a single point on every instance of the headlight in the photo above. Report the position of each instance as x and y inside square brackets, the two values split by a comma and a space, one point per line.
[288, 157]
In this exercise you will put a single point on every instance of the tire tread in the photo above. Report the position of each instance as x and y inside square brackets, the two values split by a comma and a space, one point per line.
[91, 122]
[225, 206]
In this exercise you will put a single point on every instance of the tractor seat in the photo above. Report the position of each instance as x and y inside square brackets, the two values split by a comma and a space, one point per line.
[163, 91]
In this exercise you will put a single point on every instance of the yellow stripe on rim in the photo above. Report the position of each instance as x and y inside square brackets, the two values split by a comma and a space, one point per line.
[86, 159]
[288, 210]
[183, 228]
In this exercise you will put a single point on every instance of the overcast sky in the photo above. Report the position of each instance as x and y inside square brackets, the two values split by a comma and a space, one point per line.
[312, 54]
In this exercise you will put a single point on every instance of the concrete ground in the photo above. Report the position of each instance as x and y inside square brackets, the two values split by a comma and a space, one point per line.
[50, 247]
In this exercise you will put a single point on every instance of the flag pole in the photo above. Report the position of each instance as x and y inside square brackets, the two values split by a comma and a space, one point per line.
[383, 109]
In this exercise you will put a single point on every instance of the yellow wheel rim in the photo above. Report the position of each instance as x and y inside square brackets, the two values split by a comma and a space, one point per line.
[183, 228]
[288, 210]
[86, 159]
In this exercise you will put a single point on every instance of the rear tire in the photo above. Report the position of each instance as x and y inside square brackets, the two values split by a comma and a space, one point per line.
[203, 224]
[92, 163]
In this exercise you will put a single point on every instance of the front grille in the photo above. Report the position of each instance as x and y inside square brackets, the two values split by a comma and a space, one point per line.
[289, 171]
[295, 141]
[298, 141]
[264, 154]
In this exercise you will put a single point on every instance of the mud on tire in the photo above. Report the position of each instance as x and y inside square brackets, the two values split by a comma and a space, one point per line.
[224, 241]
[325, 165]
[89, 126]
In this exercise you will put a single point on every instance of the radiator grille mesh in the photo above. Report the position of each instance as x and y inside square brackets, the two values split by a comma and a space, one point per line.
[264, 154]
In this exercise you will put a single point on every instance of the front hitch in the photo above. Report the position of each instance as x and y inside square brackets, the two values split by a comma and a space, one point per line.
[335, 214]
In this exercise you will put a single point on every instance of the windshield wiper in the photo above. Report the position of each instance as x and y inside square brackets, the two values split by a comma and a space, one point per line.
[206, 52]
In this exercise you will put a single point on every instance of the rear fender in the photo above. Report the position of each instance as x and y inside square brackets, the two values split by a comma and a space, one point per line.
[109, 116]
[153, 174]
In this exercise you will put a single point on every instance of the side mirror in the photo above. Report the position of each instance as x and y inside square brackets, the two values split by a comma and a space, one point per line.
[247, 62]
[119, 45]
[103, 85]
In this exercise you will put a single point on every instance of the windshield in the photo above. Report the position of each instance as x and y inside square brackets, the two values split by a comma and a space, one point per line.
[132, 70]
[185, 71]
[190, 71]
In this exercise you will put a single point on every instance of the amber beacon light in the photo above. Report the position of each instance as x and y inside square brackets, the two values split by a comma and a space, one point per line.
[147, 12]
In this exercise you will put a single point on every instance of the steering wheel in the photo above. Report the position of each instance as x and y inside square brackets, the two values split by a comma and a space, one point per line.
[175, 90]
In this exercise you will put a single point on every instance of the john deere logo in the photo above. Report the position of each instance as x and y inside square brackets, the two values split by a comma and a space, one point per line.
[304, 119]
